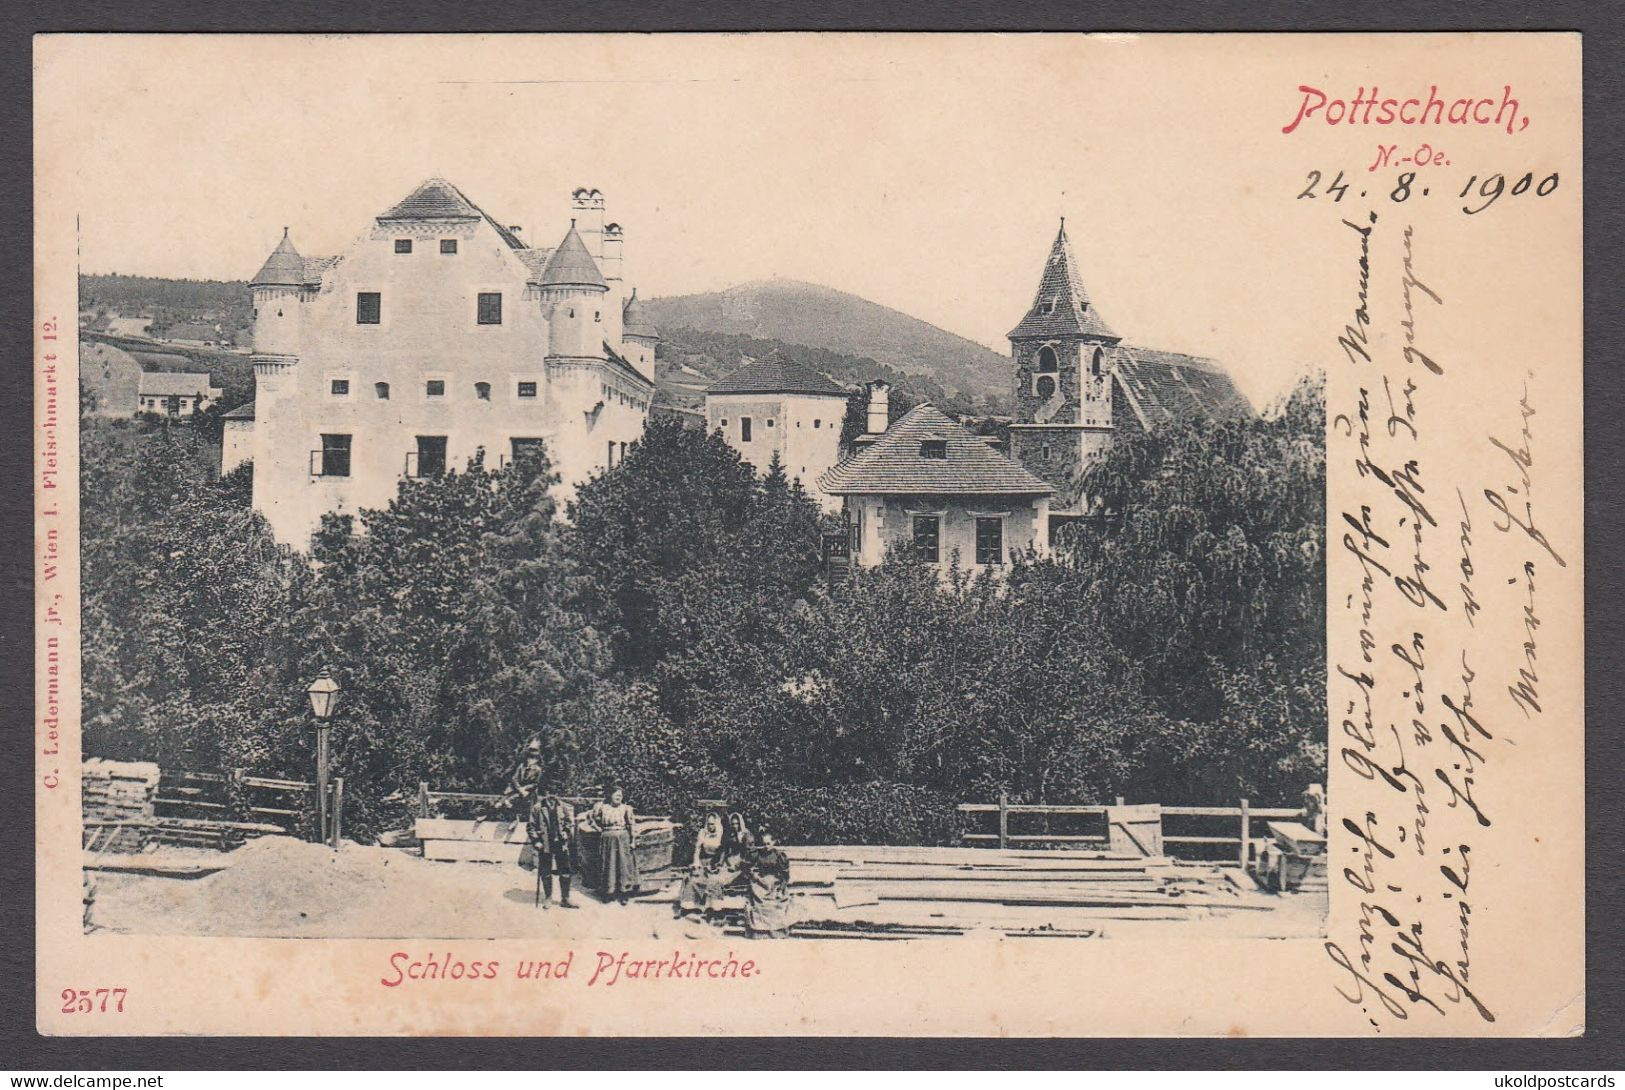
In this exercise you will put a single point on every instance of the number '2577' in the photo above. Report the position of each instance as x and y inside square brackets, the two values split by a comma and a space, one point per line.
[93, 1001]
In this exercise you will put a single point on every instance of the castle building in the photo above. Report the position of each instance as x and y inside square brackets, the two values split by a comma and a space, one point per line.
[778, 407]
[438, 335]
[1079, 387]
[929, 485]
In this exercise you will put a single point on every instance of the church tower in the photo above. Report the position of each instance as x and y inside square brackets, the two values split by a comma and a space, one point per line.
[1062, 353]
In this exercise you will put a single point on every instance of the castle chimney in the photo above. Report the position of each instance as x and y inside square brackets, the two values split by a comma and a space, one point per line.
[879, 406]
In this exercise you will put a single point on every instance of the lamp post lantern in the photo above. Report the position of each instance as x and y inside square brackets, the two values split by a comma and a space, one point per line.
[324, 697]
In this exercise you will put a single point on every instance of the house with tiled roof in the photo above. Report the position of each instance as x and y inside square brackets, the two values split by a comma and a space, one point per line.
[777, 407]
[1079, 387]
[441, 333]
[929, 486]
[174, 393]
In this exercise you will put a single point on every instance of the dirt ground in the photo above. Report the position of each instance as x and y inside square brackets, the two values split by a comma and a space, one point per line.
[282, 887]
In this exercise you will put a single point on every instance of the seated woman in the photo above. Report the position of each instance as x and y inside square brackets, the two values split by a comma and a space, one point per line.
[617, 839]
[767, 905]
[706, 875]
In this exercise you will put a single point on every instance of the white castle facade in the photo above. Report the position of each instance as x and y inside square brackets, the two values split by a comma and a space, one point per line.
[440, 333]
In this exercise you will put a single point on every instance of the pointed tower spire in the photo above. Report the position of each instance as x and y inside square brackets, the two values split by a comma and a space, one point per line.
[1061, 306]
[283, 269]
[572, 265]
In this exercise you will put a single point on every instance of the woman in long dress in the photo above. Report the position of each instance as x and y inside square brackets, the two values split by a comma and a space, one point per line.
[702, 882]
[617, 839]
[767, 903]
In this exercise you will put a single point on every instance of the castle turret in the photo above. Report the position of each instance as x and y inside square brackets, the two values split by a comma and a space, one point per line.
[639, 336]
[573, 294]
[277, 290]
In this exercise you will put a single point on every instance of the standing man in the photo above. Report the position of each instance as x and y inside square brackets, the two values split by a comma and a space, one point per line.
[552, 828]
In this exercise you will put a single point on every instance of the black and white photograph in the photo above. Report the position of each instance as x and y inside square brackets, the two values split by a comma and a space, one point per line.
[674, 501]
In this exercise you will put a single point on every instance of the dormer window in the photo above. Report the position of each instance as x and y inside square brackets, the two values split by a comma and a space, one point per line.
[403, 245]
[934, 448]
[1048, 306]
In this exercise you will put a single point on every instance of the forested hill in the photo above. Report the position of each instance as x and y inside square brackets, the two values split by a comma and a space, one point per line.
[691, 359]
[820, 317]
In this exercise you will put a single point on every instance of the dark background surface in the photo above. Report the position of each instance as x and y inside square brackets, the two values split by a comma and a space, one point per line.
[22, 1049]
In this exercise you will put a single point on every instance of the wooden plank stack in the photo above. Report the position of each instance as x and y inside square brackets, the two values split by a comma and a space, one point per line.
[117, 803]
[118, 790]
[907, 892]
[502, 841]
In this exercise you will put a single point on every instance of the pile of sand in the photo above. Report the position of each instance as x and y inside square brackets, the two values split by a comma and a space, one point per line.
[279, 886]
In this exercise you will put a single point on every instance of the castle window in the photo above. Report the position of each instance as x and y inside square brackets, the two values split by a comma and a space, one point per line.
[527, 389]
[382, 390]
[1047, 362]
[990, 541]
[770, 421]
[936, 449]
[611, 457]
[335, 456]
[490, 308]
[1094, 363]
[448, 245]
[403, 245]
[435, 387]
[525, 449]
[340, 387]
[1045, 387]
[369, 308]
[482, 390]
[744, 429]
[927, 535]
[429, 460]
[597, 316]
[818, 423]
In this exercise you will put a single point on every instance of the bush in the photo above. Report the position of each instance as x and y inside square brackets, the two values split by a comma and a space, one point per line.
[866, 813]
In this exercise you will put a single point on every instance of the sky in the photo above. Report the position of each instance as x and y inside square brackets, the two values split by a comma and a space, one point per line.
[926, 173]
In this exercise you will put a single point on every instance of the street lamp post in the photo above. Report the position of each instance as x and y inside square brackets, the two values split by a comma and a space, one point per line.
[324, 697]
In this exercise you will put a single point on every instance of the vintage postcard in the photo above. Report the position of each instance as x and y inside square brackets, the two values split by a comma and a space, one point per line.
[809, 534]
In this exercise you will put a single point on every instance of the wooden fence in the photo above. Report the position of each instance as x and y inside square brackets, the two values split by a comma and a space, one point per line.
[1241, 818]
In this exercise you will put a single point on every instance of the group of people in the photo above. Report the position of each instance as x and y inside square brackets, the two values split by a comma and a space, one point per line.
[730, 859]
[551, 823]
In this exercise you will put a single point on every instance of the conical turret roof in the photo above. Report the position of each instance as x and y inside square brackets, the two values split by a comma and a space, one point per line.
[635, 321]
[1062, 308]
[283, 269]
[572, 265]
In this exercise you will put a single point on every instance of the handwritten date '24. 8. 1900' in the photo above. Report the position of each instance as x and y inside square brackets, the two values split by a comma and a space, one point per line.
[1478, 194]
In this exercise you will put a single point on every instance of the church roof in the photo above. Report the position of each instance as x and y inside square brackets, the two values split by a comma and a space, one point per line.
[1165, 386]
[438, 199]
[284, 268]
[572, 265]
[1061, 308]
[635, 320]
[896, 463]
[776, 374]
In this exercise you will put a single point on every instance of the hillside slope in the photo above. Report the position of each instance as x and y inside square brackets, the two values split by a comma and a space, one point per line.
[809, 314]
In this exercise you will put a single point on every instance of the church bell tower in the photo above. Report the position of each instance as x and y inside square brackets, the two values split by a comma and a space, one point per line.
[1062, 355]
